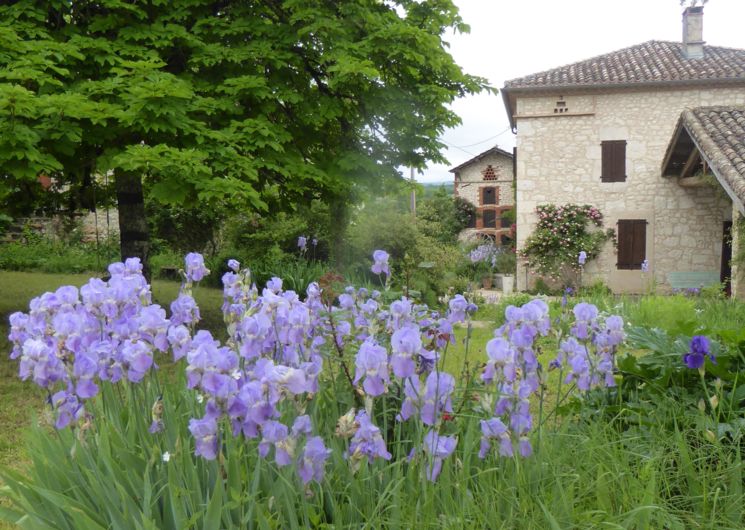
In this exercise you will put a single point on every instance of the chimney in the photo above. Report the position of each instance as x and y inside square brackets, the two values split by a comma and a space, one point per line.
[693, 32]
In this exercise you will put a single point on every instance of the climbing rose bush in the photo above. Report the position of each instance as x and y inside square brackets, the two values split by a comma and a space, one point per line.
[561, 234]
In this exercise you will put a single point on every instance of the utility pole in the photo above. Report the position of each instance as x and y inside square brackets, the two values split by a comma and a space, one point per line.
[413, 193]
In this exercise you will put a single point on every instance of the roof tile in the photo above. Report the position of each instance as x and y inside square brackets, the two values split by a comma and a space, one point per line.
[720, 133]
[649, 62]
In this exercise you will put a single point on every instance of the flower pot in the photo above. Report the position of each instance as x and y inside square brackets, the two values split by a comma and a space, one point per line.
[486, 281]
[508, 283]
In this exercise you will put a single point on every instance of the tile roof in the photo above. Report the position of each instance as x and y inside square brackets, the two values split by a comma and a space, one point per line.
[719, 133]
[493, 151]
[651, 62]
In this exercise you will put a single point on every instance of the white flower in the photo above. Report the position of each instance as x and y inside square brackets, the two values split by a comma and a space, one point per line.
[166, 456]
[200, 398]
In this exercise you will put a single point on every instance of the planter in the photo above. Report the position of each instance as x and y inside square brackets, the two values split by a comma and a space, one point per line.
[508, 283]
[486, 281]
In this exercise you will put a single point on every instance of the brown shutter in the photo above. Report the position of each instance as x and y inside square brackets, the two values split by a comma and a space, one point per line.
[639, 243]
[632, 243]
[613, 155]
[488, 196]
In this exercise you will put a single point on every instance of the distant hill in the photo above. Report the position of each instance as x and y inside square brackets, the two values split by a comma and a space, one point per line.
[431, 187]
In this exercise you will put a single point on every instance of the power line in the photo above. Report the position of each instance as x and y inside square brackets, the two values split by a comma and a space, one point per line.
[483, 141]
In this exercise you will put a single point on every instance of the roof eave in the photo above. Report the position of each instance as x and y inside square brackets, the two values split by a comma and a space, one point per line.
[723, 170]
[575, 87]
[479, 156]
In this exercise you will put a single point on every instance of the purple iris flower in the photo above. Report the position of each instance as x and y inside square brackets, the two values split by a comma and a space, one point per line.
[234, 265]
[184, 310]
[372, 364]
[204, 432]
[645, 266]
[367, 440]
[437, 390]
[582, 257]
[493, 429]
[380, 263]
[311, 463]
[406, 344]
[458, 306]
[69, 410]
[195, 269]
[302, 243]
[437, 447]
[275, 433]
[700, 349]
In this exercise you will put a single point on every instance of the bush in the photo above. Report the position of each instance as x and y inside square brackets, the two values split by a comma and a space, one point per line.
[43, 255]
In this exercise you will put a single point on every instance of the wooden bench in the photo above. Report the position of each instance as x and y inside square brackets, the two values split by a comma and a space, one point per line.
[170, 273]
[692, 280]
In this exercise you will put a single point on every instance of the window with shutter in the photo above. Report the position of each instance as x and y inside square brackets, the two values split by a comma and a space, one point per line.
[613, 161]
[488, 195]
[632, 243]
[490, 219]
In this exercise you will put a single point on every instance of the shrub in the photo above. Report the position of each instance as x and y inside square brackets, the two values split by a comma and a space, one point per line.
[561, 234]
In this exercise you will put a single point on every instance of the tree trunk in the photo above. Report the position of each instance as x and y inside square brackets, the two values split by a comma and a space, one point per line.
[133, 229]
[339, 221]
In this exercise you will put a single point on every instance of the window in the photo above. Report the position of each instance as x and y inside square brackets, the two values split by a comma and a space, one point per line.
[632, 243]
[614, 161]
[506, 221]
[489, 196]
[490, 218]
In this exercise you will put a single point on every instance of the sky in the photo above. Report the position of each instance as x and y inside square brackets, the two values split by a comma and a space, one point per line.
[513, 38]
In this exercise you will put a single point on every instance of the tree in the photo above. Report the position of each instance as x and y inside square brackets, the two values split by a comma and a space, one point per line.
[259, 104]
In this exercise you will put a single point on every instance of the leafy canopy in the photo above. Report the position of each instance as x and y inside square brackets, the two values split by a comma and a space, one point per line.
[260, 103]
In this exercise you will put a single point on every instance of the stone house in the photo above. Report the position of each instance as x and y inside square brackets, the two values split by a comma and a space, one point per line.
[486, 182]
[628, 132]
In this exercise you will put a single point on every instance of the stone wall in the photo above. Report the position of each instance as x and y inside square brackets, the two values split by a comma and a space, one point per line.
[469, 183]
[559, 161]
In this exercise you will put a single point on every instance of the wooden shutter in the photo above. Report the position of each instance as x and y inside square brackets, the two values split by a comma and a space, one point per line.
[488, 196]
[490, 219]
[632, 243]
[613, 161]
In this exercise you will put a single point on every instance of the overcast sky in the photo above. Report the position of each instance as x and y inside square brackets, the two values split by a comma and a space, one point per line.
[513, 38]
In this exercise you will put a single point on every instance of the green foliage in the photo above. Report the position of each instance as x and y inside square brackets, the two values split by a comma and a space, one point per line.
[505, 262]
[184, 229]
[443, 216]
[44, 255]
[421, 261]
[260, 106]
[561, 234]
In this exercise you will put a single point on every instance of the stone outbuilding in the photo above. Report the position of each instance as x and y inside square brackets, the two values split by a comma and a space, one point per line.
[486, 181]
[598, 131]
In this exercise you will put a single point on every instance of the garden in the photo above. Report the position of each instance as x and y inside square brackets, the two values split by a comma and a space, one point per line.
[221, 308]
[177, 405]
